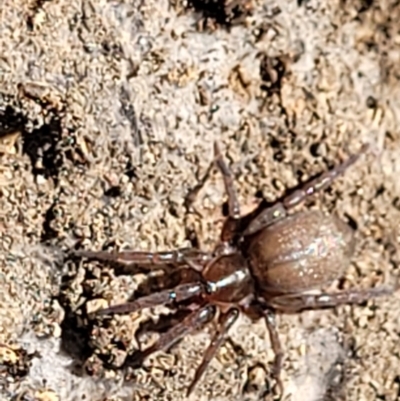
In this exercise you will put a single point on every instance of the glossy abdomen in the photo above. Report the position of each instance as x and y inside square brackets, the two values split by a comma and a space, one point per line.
[301, 252]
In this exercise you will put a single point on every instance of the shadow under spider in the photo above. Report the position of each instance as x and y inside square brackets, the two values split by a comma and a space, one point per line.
[77, 325]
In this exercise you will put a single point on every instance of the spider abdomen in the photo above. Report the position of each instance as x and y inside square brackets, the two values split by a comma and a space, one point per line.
[301, 252]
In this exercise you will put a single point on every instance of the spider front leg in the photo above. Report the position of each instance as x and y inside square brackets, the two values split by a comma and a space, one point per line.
[177, 294]
[233, 202]
[297, 303]
[231, 226]
[149, 260]
[279, 210]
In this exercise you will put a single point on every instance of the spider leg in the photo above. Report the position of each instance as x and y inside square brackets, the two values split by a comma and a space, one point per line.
[149, 260]
[177, 294]
[297, 303]
[191, 323]
[323, 181]
[266, 218]
[232, 224]
[233, 202]
[225, 323]
[279, 210]
[277, 348]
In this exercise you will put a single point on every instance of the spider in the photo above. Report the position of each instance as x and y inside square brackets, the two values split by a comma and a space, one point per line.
[266, 262]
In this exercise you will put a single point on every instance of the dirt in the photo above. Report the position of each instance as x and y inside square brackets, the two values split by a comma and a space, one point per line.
[108, 113]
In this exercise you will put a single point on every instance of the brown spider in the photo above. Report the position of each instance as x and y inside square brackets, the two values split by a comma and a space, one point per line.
[266, 262]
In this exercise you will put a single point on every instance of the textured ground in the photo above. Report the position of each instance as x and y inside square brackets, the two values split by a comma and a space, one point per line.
[108, 111]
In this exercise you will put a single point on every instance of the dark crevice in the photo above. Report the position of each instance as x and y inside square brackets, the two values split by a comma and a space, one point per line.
[113, 192]
[43, 146]
[48, 232]
[222, 12]
[11, 121]
[351, 222]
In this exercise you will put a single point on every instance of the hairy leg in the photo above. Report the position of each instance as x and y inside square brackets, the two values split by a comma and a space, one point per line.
[266, 218]
[149, 260]
[232, 223]
[323, 181]
[224, 324]
[232, 228]
[233, 203]
[279, 210]
[277, 348]
[177, 294]
[191, 323]
[297, 303]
